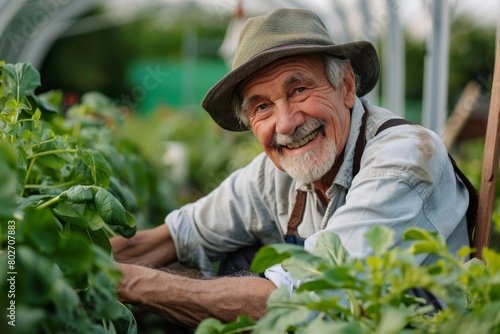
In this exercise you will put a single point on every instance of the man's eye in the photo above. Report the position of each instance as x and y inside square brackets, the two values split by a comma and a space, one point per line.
[261, 107]
[299, 90]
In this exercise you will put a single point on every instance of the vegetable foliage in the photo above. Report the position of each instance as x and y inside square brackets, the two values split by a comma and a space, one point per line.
[371, 295]
[61, 192]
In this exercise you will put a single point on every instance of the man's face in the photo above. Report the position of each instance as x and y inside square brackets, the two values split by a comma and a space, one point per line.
[300, 120]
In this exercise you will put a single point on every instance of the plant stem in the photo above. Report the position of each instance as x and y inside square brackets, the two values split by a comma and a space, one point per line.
[25, 120]
[109, 230]
[42, 186]
[48, 203]
[68, 150]
[28, 172]
[40, 143]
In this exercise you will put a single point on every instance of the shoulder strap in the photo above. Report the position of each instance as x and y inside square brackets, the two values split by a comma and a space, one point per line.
[297, 213]
[360, 145]
[473, 194]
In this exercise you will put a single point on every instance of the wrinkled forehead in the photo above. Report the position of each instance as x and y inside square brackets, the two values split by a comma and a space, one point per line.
[315, 62]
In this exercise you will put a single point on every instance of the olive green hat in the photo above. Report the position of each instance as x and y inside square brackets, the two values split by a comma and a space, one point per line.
[281, 33]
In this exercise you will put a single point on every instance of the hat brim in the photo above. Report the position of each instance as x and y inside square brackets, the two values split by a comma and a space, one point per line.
[218, 100]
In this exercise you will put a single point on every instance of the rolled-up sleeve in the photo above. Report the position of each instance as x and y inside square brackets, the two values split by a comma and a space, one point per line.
[239, 213]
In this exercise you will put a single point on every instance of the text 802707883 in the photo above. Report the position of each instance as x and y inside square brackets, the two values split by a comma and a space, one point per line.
[11, 272]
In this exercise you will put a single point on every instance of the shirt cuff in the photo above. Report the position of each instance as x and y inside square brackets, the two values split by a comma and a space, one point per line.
[280, 278]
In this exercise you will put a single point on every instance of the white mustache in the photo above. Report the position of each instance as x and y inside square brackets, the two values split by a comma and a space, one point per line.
[301, 131]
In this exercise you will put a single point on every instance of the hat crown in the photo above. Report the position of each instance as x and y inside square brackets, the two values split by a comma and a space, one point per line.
[279, 29]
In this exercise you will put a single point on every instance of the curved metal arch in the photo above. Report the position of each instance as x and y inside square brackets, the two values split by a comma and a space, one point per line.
[29, 28]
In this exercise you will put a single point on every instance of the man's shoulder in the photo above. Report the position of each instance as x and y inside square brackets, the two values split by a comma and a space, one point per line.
[263, 167]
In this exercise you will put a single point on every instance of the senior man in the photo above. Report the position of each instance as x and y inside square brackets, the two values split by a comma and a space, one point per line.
[328, 165]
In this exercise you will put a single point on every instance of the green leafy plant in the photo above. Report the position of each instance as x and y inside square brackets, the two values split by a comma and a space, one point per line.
[61, 201]
[371, 295]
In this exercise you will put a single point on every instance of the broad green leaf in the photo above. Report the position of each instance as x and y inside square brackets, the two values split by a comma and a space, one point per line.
[138, 177]
[125, 231]
[43, 229]
[465, 251]
[242, 324]
[11, 103]
[270, 255]
[105, 262]
[20, 80]
[114, 158]
[63, 295]
[36, 115]
[92, 217]
[48, 134]
[420, 247]
[122, 193]
[108, 207]
[330, 302]
[53, 161]
[325, 326]
[475, 262]
[24, 134]
[44, 109]
[304, 265]
[97, 237]
[79, 194]
[330, 247]
[101, 294]
[394, 320]
[210, 326]
[380, 238]
[492, 259]
[99, 167]
[281, 317]
[76, 246]
[414, 233]
[125, 322]
[333, 278]
[71, 212]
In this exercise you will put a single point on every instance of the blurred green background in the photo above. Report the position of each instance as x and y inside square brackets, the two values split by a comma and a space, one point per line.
[156, 66]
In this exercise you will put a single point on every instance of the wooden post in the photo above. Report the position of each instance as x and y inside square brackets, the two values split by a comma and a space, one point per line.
[461, 113]
[490, 163]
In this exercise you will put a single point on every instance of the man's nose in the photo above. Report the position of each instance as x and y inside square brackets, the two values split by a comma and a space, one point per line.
[287, 117]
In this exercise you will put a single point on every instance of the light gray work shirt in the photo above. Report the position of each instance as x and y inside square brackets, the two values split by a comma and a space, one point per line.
[405, 179]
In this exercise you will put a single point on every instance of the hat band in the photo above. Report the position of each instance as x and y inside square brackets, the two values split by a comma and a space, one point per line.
[289, 46]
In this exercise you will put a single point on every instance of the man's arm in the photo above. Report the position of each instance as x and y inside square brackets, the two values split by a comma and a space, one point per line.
[188, 301]
[153, 247]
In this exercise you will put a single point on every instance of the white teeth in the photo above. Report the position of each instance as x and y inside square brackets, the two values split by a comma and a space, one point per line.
[302, 141]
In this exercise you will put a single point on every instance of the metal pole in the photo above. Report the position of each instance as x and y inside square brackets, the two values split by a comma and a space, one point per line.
[369, 35]
[436, 68]
[394, 83]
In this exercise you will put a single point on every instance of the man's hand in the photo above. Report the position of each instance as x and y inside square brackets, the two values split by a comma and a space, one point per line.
[188, 301]
[153, 247]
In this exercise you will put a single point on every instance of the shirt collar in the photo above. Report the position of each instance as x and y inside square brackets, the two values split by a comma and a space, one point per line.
[344, 175]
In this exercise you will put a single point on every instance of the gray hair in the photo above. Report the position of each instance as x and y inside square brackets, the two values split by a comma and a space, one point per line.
[334, 68]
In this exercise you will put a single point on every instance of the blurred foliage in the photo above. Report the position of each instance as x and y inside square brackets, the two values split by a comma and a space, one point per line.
[212, 153]
[99, 58]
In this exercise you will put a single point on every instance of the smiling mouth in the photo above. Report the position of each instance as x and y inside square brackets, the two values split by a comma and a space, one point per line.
[301, 142]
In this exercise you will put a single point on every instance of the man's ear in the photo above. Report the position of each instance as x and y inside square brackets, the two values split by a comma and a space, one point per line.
[349, 86]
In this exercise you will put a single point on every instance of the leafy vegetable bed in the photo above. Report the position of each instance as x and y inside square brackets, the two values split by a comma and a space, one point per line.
[61, 192]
